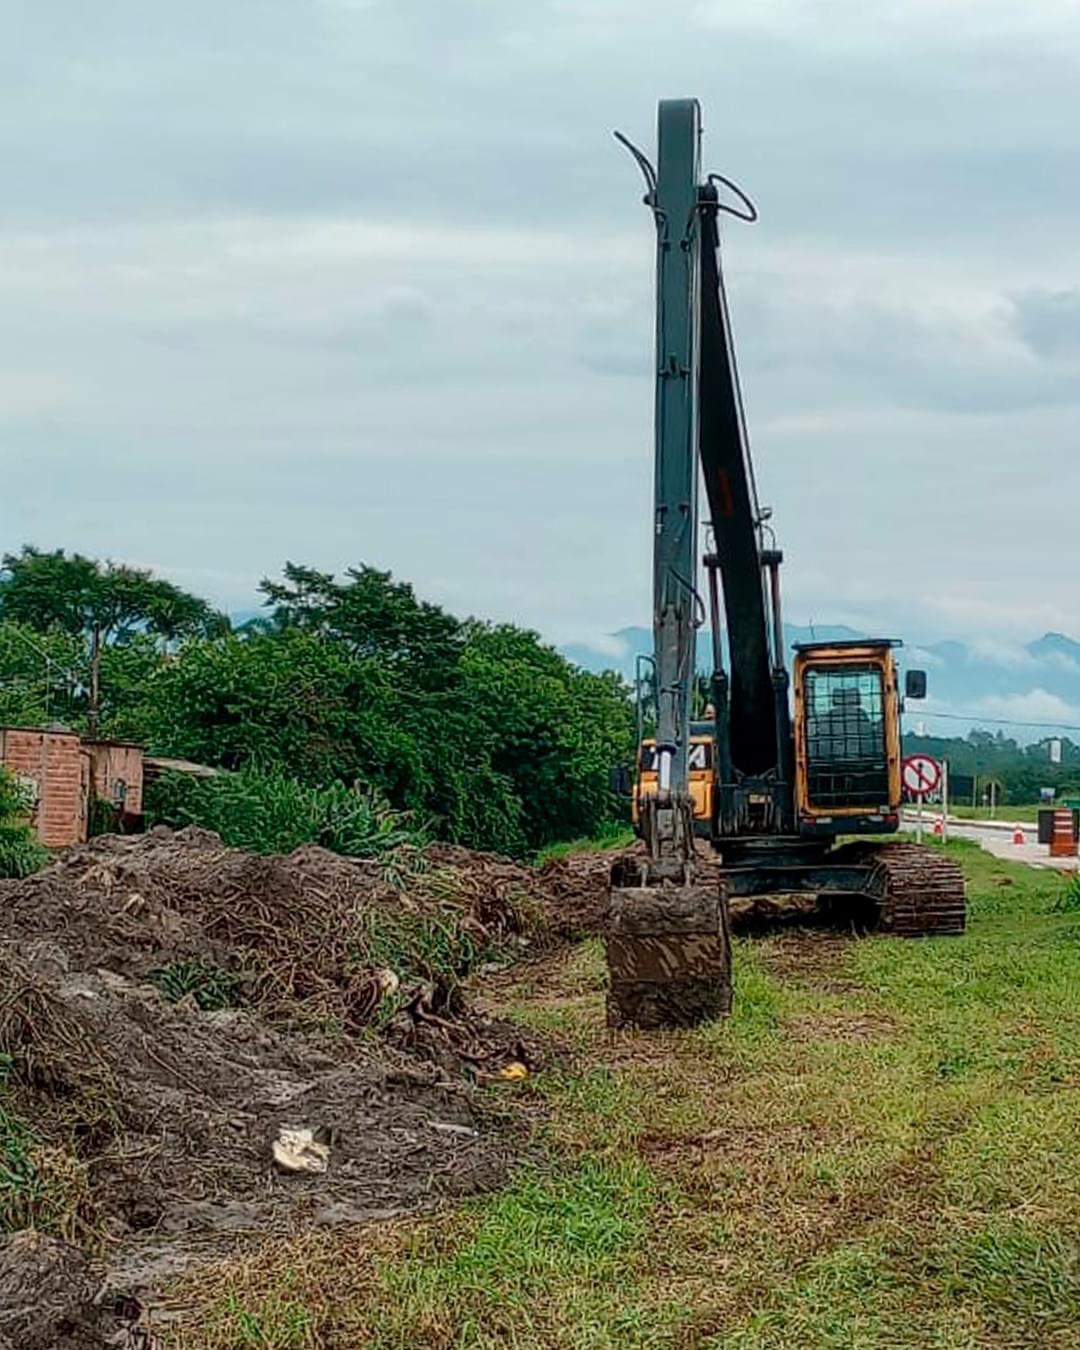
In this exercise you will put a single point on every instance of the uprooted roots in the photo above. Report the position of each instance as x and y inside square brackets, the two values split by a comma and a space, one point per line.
[168, 1005]
[312, 936]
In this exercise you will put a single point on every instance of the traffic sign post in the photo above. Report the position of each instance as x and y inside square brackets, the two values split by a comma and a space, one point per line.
[921, 775]
[944, 800]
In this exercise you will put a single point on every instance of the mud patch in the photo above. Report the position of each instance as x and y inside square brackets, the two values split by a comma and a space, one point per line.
[52, 1298]
[840, 1026]
[168, 1114]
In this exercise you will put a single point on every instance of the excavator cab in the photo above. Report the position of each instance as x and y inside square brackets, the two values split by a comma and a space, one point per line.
[847, 738]
[847, 745]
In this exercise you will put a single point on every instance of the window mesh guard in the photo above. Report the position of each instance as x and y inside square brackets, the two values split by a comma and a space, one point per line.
[847, 763]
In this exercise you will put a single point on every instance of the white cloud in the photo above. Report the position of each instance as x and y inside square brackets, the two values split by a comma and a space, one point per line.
[1035, 706]
[345, 281]
[605, 644]
[848, 24]
[920, 657]
[998, 653]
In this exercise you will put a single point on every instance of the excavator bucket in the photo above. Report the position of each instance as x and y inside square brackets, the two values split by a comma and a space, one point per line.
[668, 948]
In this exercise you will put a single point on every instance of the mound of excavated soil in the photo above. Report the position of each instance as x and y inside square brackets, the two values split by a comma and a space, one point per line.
[146, 1116]
[170, 1113]
[51, 1298]
[306, 935]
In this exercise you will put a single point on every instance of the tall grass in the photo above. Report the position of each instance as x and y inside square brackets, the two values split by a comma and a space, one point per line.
[270, 813]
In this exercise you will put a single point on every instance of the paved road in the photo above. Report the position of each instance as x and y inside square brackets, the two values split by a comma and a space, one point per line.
[996, 837]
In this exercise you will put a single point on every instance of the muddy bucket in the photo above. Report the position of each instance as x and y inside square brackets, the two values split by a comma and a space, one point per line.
[668, 955]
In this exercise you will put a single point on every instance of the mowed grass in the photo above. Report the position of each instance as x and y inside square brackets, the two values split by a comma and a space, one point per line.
[881, 1148]
[1004, 811]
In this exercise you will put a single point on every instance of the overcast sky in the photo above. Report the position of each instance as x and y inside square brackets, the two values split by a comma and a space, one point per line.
[368, 280]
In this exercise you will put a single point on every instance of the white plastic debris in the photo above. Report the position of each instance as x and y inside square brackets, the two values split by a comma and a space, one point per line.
[297, 1150]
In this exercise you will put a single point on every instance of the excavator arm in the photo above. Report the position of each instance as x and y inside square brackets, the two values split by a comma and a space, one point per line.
[668, 948]
[755, 764]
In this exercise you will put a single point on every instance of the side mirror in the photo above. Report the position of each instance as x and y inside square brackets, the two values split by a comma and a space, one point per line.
[915, 684]
[622, 784]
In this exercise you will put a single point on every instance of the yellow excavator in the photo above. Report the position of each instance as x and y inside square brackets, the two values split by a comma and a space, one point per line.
[795, 776]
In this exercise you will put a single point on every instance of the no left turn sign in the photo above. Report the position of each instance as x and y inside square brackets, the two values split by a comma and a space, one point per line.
[921, 774]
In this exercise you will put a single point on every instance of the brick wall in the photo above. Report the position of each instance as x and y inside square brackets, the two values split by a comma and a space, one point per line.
[50, 763]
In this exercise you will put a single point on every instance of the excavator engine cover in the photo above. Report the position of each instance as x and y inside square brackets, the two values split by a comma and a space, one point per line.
[668, 947]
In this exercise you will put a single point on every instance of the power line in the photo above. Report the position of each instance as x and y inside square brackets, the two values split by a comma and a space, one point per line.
[999, 721]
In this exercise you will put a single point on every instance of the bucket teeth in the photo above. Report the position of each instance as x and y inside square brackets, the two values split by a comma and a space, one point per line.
[668, 954]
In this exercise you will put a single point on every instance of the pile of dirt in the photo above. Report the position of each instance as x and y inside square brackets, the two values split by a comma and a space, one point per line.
[574, 895]
[311, 936]
[151, 1123]
[169, 1007]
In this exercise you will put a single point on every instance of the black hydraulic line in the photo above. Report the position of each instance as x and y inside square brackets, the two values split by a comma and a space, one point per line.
[728, 475]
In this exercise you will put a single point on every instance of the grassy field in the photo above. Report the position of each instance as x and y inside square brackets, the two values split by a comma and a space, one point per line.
[1004, 812]
[881, 1148]
[616, 836]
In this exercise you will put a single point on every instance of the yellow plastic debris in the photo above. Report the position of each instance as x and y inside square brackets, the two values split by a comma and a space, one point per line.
[514, 1071]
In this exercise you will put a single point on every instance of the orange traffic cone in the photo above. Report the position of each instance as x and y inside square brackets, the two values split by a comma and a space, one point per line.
[1018, 837]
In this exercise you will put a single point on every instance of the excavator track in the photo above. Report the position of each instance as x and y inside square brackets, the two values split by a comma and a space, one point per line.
[921, 891]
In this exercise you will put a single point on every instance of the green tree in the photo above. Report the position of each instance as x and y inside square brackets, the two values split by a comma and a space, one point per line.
[100, 603]
[553, 730]
[482, 732]
[487, 736]
[287, 700]
[41, 675]
[374, 616]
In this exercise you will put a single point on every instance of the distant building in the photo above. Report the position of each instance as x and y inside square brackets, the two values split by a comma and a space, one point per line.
[64, 776]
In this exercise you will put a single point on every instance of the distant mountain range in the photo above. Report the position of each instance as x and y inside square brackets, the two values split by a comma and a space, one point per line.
[987, 682]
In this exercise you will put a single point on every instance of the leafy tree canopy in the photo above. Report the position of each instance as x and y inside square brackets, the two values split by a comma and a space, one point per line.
[482, 732]
[100, 603]
[55, 591]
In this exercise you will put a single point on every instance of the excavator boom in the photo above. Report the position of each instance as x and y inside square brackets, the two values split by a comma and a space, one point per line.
[668, 949]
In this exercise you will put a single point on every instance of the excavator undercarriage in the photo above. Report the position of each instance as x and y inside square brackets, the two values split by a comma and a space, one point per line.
[669, 939]
[789, 763]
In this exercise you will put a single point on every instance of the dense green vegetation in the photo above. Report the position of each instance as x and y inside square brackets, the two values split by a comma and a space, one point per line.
[20, 852]
[1017, 772]
[729, 1187]
[272, 813]
[350, 693]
